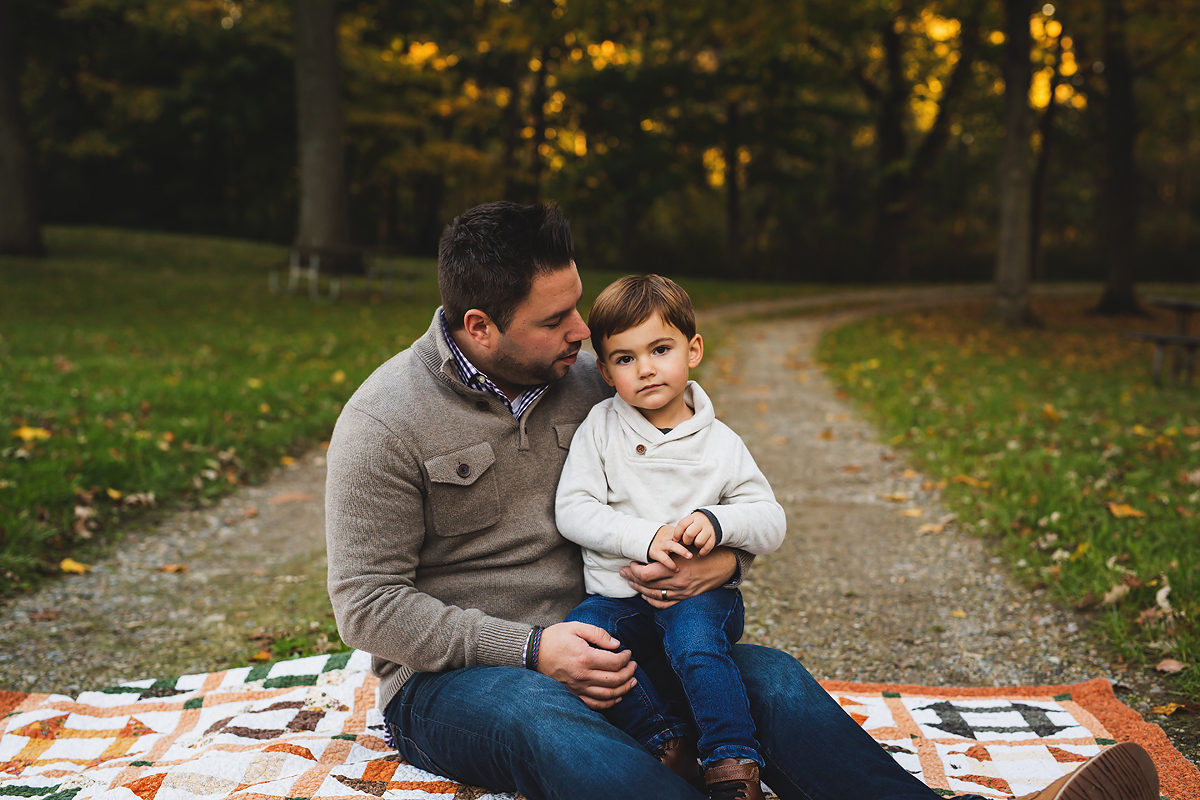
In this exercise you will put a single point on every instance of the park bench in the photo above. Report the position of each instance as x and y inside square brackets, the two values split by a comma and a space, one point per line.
[370, 266]
[1185, 346]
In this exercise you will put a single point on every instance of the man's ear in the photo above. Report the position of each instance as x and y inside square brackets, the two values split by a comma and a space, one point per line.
[695, 351]
[480, 327]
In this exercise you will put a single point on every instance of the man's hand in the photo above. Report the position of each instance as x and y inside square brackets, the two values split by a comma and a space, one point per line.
[696, 530]
[597, 677]
[664, 543]
[697, 576]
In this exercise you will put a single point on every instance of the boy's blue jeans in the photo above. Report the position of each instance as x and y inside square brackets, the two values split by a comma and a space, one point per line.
[685, 671]
[511, 729]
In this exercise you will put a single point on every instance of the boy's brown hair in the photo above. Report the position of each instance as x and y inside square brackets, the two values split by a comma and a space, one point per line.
[630, 301]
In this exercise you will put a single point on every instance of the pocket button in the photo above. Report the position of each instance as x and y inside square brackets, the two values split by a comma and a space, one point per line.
[464, 470]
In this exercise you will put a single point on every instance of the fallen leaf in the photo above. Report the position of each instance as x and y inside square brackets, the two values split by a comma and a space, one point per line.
[338, 377]
[1168, 709]
[894, 497]
[291, 497]
[777, 440]
[115, 494]
[43, 616]
[287, 461]
[251, 512]
[930, 527]
[261, 655]
[172, 568]
[1051, 413]
[27, 434]
[761, 408]
[912, 512]
[1121, 511]
[909, 473]
[851, 468]
[958, 613]
[826, 434]
[1161, 596]
[1170, 665]
[967, 480]
[1114, 594]
[73, 566]
[1149, 615]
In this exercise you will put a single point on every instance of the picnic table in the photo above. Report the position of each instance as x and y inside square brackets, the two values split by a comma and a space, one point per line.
[369, 265]
[1185, 345]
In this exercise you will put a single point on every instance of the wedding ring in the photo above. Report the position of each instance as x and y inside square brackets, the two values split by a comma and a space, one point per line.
[664, 595]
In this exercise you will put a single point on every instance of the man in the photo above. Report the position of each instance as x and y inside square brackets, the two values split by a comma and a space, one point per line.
[445, 563]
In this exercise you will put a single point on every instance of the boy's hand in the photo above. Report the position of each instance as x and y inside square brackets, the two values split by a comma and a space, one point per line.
[664, 544]
[696, 530]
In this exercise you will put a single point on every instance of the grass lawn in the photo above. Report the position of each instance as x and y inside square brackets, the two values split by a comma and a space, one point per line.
[143, 370]
[1054, 444]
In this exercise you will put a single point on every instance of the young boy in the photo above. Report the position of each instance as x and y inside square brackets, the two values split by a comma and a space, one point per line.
[652, 475]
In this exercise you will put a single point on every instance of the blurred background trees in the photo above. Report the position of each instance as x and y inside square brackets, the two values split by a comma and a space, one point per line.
[825, 140]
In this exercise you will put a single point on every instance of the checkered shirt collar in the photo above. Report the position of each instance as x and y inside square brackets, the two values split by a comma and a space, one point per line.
[477, 380]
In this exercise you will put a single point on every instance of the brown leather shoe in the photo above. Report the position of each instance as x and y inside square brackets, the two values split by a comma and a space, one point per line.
[1122, 772]
[679, 756]
[729, 780]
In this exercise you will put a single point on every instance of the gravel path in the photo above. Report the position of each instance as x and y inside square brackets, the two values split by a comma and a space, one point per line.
[857, 592]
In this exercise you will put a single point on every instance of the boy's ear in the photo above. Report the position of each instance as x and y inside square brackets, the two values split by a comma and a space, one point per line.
[695, 351]
[604, 371]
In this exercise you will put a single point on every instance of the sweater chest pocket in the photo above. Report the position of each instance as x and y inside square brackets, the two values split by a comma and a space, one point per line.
[463, 495]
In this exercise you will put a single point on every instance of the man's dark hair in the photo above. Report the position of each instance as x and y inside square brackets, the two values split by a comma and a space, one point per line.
[489, 256]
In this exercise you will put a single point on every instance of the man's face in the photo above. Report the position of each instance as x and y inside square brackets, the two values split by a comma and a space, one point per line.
[543, 339]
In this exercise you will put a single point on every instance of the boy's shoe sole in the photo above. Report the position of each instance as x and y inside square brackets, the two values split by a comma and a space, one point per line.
[1123, 771]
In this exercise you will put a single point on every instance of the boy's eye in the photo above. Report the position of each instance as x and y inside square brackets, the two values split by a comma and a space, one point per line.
[622, 359]
[661, 349]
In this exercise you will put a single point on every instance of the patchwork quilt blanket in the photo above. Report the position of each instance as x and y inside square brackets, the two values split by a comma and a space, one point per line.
[307, 729]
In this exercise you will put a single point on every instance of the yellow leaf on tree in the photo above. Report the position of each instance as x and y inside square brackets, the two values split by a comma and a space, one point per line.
[73, 566]
[1122, 510]
[28, 434]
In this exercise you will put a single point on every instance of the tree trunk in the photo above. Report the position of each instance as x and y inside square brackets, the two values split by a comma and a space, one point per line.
[889, 251]
[1041, 174]
[324, 219]
[1119, 203]
[537, 107]
[733, 193]
[1011, 303]
[20, 226]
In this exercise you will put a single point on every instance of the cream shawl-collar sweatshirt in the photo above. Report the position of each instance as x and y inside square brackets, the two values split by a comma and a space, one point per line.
[624, 478]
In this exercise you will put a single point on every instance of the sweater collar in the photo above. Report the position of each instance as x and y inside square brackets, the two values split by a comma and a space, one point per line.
[693, 395]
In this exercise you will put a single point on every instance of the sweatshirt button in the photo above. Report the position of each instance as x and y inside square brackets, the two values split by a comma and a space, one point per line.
[464, 470]
[641, 449]
[482, 405]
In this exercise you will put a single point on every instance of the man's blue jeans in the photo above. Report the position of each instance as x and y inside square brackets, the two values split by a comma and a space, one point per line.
[685, 672]
[511, 729]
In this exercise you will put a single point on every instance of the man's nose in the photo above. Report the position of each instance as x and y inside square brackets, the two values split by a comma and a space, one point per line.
[579, 329]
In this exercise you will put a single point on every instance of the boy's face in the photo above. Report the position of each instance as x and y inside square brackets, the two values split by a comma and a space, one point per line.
[649, 365]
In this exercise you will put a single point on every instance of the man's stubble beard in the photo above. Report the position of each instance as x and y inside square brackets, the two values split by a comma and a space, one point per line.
[519, 372]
